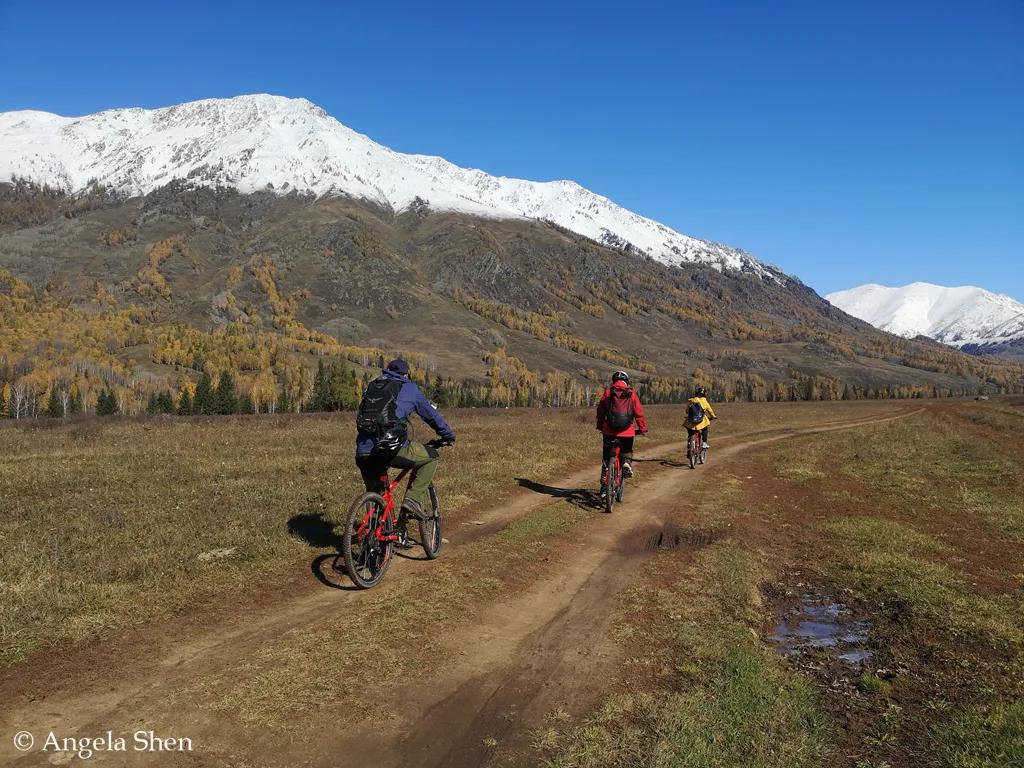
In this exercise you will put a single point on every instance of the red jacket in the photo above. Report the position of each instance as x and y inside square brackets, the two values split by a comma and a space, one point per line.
[621, 389]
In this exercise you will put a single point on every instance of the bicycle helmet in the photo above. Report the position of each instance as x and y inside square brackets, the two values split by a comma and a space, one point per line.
[620, 376]
[701, 392]
[390, 442]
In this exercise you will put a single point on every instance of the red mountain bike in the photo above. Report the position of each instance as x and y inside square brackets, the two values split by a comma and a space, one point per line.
[614, 487]
[373, 529]
[696, 451]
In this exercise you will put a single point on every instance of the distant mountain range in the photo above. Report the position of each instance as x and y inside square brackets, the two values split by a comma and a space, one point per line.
[260, 142]
[258, 235]
[966, 317]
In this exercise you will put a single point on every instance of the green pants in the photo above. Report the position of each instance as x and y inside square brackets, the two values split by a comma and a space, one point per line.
[422, 460]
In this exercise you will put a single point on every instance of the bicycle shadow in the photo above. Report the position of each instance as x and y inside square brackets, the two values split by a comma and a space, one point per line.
[663, 462]
[316, 530]
[584, 498]
[329, 570]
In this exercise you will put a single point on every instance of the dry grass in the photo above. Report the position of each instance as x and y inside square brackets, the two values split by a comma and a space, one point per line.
[104, 521]
[916, 524]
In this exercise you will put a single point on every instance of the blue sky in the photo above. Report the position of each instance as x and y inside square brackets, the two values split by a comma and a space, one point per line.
[847, 142]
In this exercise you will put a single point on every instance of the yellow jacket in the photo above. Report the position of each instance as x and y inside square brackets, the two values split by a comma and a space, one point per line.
[709, 412]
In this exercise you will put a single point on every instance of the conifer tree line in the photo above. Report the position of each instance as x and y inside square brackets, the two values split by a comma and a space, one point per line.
[337, 385]
[58, 359]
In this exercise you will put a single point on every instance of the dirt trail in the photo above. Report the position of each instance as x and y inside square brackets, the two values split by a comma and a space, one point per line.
[538, 651]
[548, 649]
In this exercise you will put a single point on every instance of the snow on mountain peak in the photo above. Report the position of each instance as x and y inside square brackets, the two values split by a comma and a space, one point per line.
[956, 316]
[260, 141]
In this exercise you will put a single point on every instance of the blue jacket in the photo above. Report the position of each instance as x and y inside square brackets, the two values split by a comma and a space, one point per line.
[410, 399]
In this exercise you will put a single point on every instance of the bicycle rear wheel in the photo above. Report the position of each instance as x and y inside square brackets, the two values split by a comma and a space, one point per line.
[691, 451]
[430, 529]
[367, 557]
[612, 486]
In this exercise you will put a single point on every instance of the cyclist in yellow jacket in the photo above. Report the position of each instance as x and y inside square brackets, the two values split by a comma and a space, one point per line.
[700, 397]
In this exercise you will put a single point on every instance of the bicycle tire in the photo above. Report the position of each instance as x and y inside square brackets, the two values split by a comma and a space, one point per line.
[611, 487]
[691, 449]
[367, 561]
[703, 455]
[430, 529]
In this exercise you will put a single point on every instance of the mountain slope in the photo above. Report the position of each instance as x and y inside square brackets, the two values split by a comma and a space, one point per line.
[148, 292]
[961, 317]
[260, 142]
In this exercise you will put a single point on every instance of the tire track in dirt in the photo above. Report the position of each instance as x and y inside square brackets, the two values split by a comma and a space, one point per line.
[549, 648]
[532, 648]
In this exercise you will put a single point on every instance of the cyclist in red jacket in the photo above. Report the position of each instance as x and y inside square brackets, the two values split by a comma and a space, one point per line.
[618, 411]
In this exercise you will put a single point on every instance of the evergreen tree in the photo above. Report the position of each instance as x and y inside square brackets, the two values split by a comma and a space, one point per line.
[204, 401]
[245, 404]
[226, 399]
[75, 401]
[152, 405]
[54, 407]
[165, 402]
[185, 403]
[341, 386]
[320, 398]
[107, 404]
[284, 400]
[3, 403]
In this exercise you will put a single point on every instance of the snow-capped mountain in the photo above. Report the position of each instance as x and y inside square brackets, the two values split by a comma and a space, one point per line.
[957, 316]
[258, 142]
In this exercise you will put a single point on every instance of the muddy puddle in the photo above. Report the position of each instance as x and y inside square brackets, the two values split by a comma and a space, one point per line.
[819, 626]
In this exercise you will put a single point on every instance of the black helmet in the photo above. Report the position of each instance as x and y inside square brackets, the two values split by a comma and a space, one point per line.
[390, 442]
[701, 392]
[620, 376]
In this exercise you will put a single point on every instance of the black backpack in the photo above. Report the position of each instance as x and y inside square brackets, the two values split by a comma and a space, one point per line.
[378, 410]
[695, 413]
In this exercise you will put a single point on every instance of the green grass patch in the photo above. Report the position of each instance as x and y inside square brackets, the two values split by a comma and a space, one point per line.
[878, 556]
[1003, 511]
[722, 698]
[989, 736]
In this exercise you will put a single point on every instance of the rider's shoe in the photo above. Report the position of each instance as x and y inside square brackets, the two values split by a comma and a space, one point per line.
[414, 510]
[403, 535]
[627, 469]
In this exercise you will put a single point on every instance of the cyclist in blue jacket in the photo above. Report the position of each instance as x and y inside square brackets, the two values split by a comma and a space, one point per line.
[382, 438]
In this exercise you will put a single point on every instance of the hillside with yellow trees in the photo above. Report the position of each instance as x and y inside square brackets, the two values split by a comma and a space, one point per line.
[198, 300]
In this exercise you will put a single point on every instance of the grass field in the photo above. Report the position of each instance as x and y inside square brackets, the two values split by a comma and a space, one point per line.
[913, 527]
[110, 524]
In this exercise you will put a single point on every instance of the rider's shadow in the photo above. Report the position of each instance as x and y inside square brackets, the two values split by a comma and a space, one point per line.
[319, 532]
[584, 498]
[315, 529]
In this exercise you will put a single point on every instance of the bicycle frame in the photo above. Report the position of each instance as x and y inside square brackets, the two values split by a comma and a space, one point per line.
[616, 451]
[389, 507]
[616, 458]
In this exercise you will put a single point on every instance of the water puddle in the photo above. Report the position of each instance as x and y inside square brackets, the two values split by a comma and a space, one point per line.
[816, 625]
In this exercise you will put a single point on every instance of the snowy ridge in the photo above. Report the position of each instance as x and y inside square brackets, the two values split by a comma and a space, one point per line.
[258, 142]
[955, 316]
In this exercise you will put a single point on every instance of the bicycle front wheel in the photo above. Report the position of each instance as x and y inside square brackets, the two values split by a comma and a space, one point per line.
[364, 544]
[430, 529]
